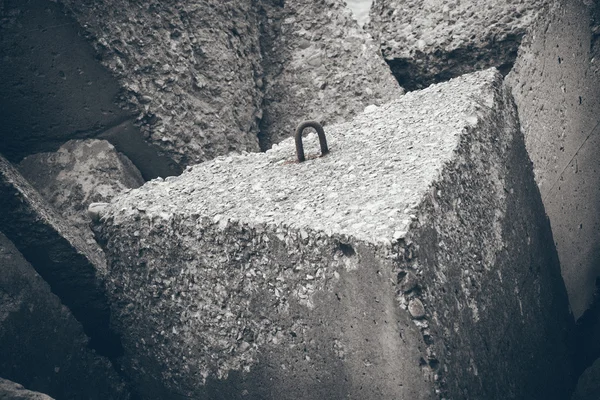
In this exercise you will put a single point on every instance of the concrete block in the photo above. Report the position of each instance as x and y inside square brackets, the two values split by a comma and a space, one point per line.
[413, 261]
[212, 77]
[556, 86]
[433, 41]
[319, 65]
[74, 270]
[43, 347]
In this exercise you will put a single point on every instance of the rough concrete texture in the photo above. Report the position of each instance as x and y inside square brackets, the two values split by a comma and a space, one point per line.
[43, 347]
[72, 268]
[81, 172]
[53, 88]
[556, 85]
[413, 261]
[13, 391]
[318, 65]
[432, 41]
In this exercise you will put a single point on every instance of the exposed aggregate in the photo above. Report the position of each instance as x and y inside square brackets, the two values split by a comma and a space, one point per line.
[377, 170]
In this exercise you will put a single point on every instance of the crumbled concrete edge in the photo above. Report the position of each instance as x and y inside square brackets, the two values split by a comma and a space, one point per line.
[79, 173]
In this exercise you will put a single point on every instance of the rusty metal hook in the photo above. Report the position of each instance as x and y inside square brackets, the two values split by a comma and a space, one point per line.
[298, 137]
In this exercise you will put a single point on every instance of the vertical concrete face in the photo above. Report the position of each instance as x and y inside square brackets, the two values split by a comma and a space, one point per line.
[432, 41]
[382, 270]
[556, 85]
[53, 88]
[43, 347]
[318, 65]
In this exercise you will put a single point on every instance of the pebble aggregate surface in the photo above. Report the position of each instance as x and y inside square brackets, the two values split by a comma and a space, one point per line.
[379, 166]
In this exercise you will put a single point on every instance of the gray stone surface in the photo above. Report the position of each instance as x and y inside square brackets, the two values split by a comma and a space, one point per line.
[556, 85]
[435, 40]
[318, 65]
[74, 270]
[81, 172]
[13, 391]
[413, 261]
[43, 347]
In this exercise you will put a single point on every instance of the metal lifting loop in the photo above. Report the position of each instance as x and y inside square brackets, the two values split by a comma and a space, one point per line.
[298, 137]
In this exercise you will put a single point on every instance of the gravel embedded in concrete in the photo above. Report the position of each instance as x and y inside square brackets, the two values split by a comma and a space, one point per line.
[366, 187]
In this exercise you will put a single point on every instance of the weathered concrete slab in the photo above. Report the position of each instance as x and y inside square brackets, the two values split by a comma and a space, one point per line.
[319, 65]
[43, 347]
[556, 85]
[433, 41]
[413, 261]
[13, 391]
[81, 172]
[71, 267]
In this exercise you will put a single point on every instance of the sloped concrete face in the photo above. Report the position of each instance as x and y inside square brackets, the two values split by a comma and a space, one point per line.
[43, 347]
[433, 41]
[413, 261]
[556, 85]
[319, 65]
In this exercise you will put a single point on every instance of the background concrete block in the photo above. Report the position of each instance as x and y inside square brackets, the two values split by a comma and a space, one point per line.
[433, 41]
[43, 347]
[413, 261]
[556, 85]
